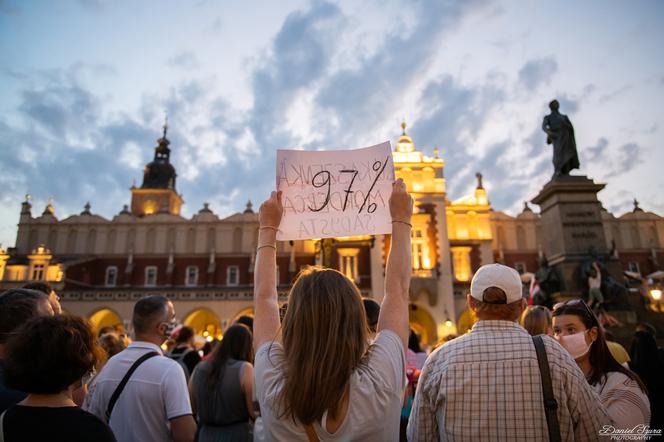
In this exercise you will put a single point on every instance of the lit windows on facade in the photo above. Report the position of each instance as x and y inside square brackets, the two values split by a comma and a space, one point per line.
[38, 271]
[461, 263]
[151, 276]
[111, 279]
[420, 249]
[191, 276]
[233, 275]
[348, 263]
[39, 264]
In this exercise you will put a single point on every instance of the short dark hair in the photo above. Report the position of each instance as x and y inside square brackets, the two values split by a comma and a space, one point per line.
[246, 320]
[50, 353]
[17, 306]
[184, 335]
[43, 287]
[146, 310]
[372, 309]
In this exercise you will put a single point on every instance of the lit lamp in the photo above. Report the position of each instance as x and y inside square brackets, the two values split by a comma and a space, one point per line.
[656, 294]
[448, 322]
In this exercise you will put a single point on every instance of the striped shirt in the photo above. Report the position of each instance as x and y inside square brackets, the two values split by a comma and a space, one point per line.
[486, 386]
[626, 404]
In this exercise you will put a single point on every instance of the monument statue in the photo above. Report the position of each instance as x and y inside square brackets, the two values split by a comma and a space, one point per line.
[560, 133]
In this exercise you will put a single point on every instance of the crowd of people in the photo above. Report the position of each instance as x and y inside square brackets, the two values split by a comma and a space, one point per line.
[327, 366]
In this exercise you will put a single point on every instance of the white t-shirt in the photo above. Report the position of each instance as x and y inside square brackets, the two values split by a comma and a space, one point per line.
[376, 394]
[156, 392]
[625, 403]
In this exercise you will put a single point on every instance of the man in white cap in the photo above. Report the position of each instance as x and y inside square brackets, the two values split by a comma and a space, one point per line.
[486, 385]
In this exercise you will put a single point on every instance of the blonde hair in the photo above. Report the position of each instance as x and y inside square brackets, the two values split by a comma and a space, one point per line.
[324, 336]
[536, 320]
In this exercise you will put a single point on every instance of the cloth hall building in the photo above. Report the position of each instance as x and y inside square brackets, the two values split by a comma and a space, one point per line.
[204, 264]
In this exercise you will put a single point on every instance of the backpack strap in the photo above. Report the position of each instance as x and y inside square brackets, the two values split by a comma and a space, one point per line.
[550, 403]
[123, 382]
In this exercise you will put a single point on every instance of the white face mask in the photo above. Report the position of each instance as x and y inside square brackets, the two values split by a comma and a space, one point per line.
[575, 344]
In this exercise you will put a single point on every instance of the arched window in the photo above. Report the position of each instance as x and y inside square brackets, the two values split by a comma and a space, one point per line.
[110, 242]
[500, 237]
[131, 239]
[212, 239]
[191, 240]
[71, 241]
[91, 241]
[520, 238]
[52, 239]
[237, 240]
[149, 241]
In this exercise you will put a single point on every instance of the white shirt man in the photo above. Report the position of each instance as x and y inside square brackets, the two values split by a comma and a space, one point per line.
[154, 405]
[486, 385]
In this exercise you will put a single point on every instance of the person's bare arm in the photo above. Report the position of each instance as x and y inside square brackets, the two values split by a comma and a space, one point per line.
[394, 310]
[266, 306]
[192, 398]
[183, 428]
[247, 384]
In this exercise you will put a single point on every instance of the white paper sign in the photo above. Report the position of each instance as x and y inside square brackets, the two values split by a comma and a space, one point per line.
[335, 192]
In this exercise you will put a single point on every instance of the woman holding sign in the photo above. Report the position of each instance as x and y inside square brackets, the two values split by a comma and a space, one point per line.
[316, 377]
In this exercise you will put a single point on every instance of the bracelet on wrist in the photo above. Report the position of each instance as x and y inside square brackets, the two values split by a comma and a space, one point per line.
[272, 246]
[403, 222]
[276, 229]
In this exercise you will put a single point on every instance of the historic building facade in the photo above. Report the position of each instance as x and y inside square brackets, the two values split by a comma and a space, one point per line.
[100, 267]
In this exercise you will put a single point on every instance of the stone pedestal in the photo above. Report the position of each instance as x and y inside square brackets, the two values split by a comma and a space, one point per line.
[571, 226]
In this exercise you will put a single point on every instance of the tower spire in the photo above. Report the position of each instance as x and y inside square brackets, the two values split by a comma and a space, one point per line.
[165, 123]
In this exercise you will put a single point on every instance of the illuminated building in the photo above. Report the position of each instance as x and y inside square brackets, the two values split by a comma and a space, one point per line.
[204, 264]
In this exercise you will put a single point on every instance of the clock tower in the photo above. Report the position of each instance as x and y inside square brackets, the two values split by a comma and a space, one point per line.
[157, 194]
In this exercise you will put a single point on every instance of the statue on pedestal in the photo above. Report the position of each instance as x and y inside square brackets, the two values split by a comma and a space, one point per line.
[560, 133]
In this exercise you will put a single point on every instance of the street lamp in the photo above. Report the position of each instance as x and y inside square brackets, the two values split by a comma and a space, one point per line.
[656, 295]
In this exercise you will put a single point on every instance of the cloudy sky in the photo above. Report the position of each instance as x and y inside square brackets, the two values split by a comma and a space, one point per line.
[84, 86]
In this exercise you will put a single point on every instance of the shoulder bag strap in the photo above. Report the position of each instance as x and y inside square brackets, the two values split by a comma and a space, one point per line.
[2, 426]
[123, 382]
[550, 403]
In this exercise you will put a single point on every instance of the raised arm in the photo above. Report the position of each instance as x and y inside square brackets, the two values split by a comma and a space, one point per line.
[266, 305]
[394, 310]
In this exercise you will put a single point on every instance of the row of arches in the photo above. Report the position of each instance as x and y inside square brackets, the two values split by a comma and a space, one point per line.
[206, 322]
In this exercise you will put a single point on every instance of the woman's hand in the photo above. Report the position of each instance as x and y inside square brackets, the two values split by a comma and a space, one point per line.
[401, 203]
[271, 211]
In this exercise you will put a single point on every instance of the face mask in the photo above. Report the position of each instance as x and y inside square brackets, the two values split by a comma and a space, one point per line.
[170, 326]
[575, 344]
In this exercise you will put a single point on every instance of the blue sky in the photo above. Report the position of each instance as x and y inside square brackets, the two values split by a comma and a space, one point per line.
[84, 86]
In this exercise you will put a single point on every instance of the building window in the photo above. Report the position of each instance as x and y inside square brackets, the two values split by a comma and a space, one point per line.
[348, 263]
[633, 266]
[461, 263]
[191, 278]
[232, 275]
[150, 276]
[111, 276]
[420, 250]
[38, 271]
[520, 267]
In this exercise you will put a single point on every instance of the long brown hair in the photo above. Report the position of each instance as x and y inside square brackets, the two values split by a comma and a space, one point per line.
[601, 359]
[324, 335]
[236, 344]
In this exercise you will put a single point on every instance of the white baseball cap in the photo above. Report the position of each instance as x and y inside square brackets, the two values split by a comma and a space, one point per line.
[496, 275]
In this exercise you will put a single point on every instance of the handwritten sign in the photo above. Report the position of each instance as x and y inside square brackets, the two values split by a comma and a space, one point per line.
[335, 192]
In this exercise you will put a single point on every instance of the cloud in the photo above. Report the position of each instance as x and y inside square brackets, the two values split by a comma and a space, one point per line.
[596, 152]
[183, 60]
[537, 72]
